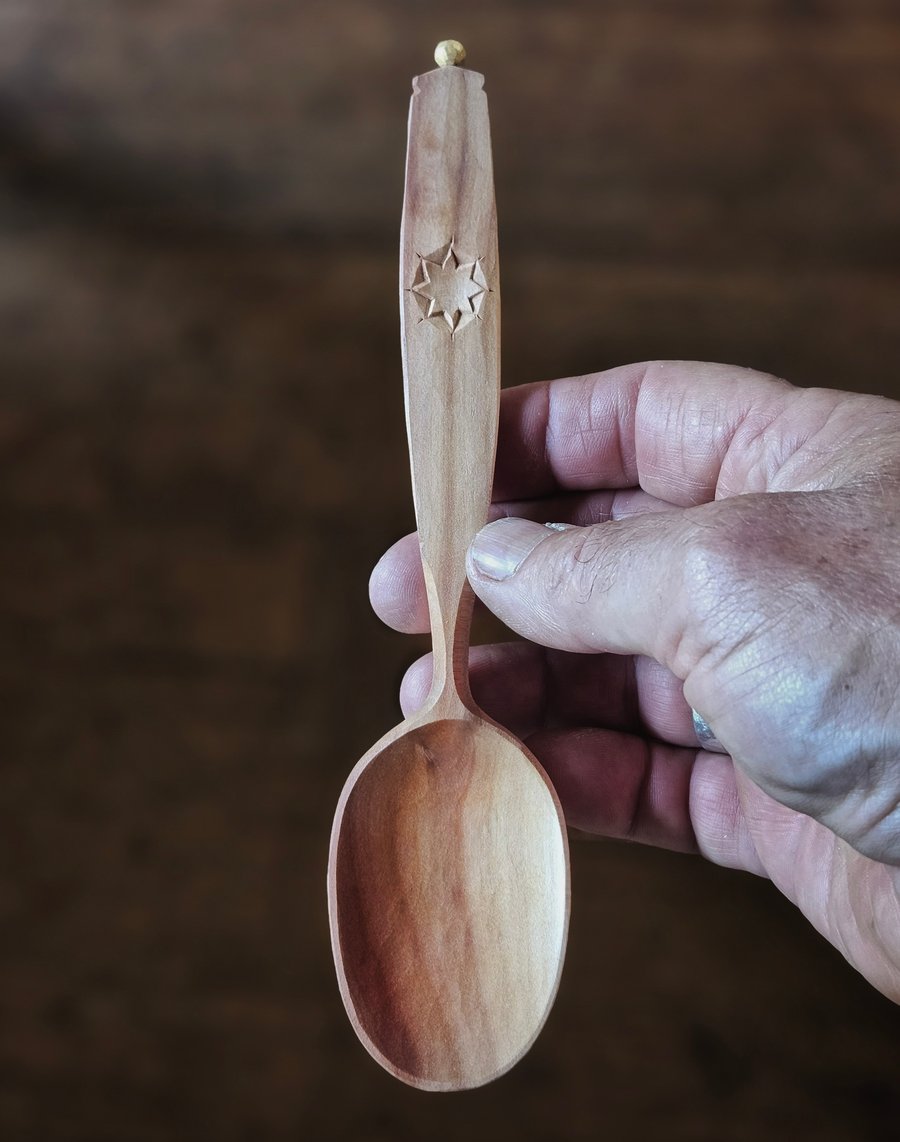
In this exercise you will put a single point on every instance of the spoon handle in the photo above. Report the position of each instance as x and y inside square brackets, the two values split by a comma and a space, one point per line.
[450, 328]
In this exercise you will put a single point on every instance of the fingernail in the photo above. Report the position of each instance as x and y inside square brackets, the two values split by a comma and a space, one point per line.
[499, 549]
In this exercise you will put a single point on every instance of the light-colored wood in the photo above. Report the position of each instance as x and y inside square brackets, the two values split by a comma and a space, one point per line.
[448, 878]
[450, 322]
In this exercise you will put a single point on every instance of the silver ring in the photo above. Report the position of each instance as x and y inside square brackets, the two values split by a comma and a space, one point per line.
[705, 735]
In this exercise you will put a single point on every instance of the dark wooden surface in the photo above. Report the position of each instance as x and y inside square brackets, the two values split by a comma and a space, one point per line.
[202, 453]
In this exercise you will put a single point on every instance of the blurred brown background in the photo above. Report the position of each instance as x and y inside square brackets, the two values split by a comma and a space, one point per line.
[202, 454]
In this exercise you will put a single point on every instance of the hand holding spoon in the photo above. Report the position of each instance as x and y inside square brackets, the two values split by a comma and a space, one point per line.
[448, 879]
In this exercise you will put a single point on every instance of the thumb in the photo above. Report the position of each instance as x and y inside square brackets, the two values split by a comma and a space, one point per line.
[616, 586]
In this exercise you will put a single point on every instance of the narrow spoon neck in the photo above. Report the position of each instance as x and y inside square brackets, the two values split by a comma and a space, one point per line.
[450, 610]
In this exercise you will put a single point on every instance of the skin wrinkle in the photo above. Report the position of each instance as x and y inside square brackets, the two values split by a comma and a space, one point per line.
[558, 456]
[840, 430]
[801, 443]
[701, 486]
[656, 473]
[561, 437]
[622, 436]
[751, 858]
[886, 924]
[807, 433]
[756, 442]
[855, 887]
[812, 451]
[886, 820]
[791, 448]
[813, 846]
[842, 920]
[862, 810]
[825, 890]
[677, 417]
[624, 425]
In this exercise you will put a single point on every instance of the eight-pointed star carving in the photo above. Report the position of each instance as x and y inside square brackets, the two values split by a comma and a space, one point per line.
[450, 287]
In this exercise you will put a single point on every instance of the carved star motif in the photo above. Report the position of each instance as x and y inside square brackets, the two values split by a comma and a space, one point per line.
[450, 287]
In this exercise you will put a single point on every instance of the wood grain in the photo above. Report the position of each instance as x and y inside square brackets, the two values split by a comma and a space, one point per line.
[450, 901]
[448, 880]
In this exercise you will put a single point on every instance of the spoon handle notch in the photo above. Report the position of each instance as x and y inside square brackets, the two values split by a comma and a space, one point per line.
[450, 331]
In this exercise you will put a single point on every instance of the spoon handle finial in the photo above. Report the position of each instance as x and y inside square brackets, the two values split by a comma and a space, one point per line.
[450, 326]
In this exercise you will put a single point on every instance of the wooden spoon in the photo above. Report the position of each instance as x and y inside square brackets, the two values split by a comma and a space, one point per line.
[448, 880]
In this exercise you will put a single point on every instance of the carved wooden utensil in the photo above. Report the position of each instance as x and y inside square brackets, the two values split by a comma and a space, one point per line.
[448, 880]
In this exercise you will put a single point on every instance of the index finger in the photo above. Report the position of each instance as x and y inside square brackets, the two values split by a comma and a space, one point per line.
[673, 428]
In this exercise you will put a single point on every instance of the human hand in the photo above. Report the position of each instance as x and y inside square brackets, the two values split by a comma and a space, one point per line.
[735, 548]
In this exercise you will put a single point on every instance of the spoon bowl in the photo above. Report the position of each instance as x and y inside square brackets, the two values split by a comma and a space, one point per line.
[449, 900]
